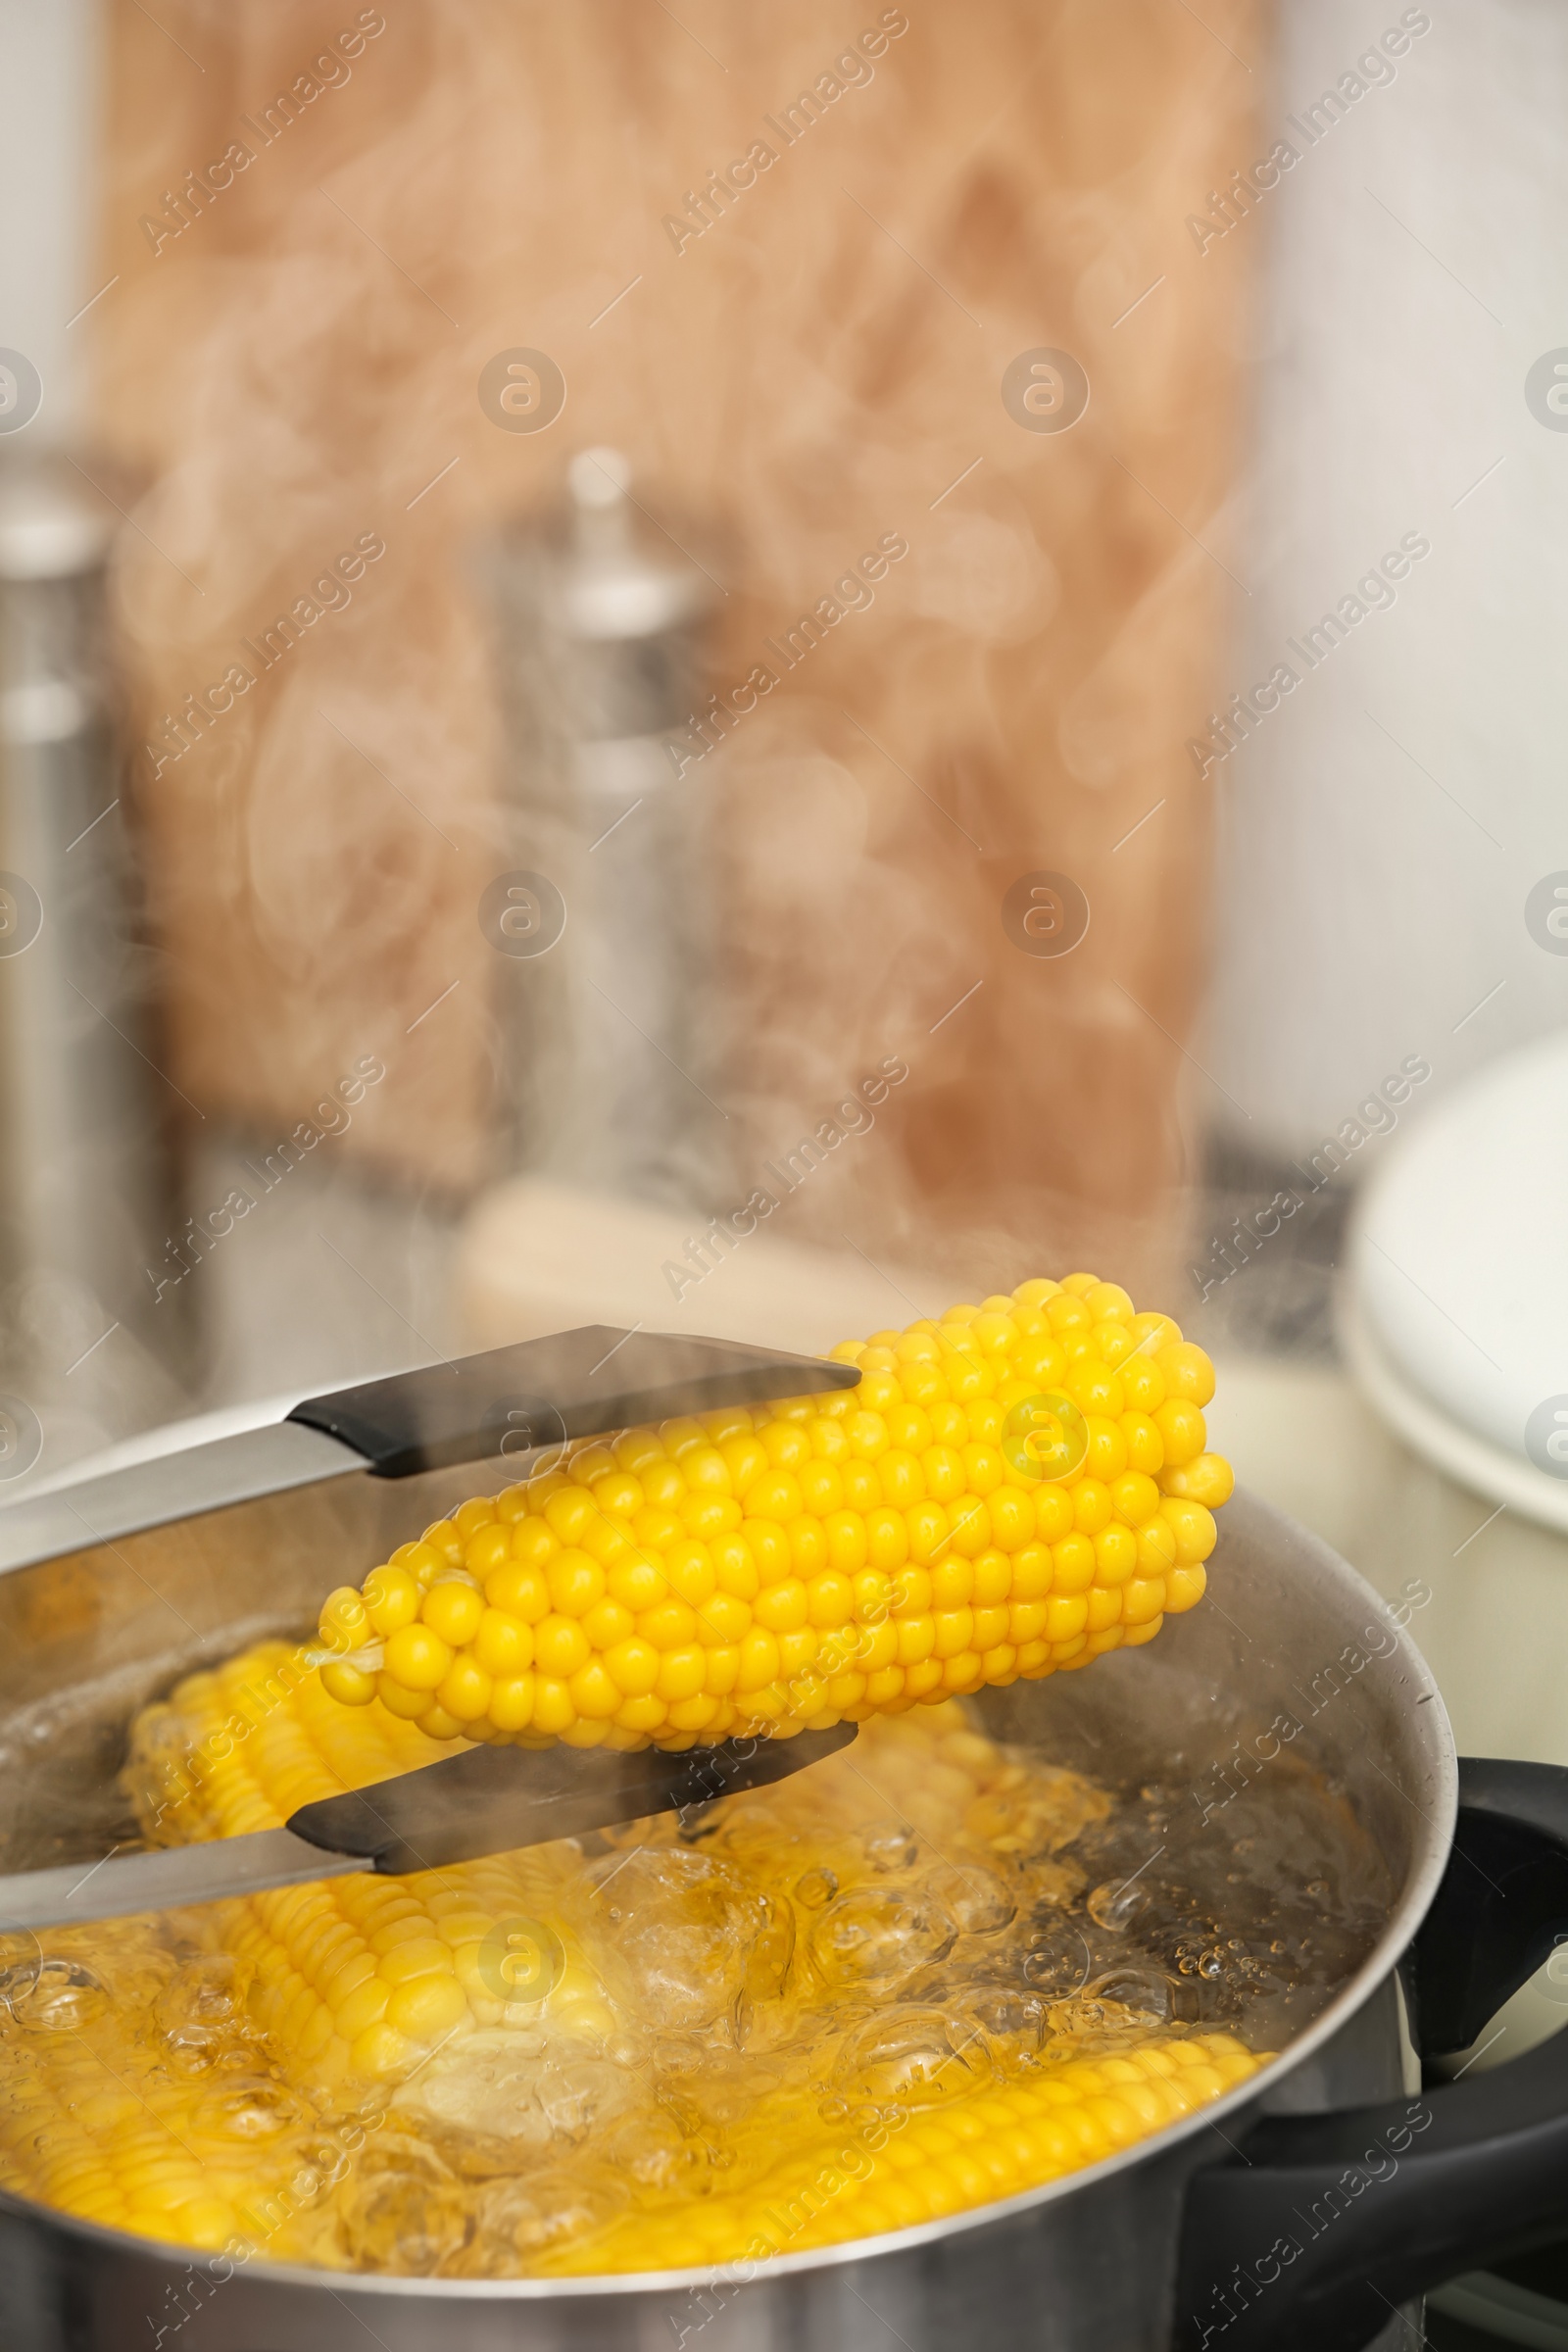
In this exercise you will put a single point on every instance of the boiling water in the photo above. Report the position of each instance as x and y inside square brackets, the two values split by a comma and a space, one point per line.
[673, 2026]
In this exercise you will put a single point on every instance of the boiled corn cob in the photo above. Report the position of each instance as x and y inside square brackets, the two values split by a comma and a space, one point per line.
[878, 2175]
[1015, 1488]
[356, 1975]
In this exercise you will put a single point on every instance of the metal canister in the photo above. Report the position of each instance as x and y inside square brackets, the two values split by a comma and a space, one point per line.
[604, 914]
[83, 1199]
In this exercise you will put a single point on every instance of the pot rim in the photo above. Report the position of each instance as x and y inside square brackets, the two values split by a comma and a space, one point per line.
[1430, 1859]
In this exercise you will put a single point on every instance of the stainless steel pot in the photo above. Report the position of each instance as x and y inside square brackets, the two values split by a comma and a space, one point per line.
[1274, 2218]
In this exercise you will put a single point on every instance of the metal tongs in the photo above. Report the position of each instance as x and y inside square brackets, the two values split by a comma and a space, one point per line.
[513, 1401]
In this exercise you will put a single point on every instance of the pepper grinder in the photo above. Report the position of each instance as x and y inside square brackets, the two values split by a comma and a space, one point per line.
[604, 919]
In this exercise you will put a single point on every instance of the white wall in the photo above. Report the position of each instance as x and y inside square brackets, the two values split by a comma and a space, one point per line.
[49, 141]
[1363, 914]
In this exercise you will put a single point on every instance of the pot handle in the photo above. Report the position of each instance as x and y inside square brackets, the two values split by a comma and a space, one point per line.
[1322, 2225]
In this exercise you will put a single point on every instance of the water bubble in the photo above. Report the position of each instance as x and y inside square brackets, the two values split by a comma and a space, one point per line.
[528, 2215]
[976, 1900]
[889, 1849]
[772, 1949]
[816, 1887]
[654, 2151]
[62, 1997]
[873, 1933]
[487, 2083]
[1115, 1907]
[916, 2057]
[404, 2223]
[1013, 2023]
[1144, 1989]
[1057, 1962]
[577, 2098]
[1039, 1815]
[20, 1958]
[320, 2164]
[252, 2109]
[679, 1947]
[203, 2001]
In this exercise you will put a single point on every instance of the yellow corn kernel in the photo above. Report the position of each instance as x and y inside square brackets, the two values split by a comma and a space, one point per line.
[391, 1599]
[1184, 1587]
[343, 1623]
[349, 1684]
[1209, 1480]
[418, 1658]
[453, 1612]
[1188, 1371]
[1193, 1529]
[466, 1690]
[427, 2008]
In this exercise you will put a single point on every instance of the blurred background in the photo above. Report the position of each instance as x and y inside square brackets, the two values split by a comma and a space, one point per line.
[660, 667]
[776, 489]
[665, 666]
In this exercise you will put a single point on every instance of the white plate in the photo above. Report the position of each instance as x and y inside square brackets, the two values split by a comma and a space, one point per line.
[1444, 1443]
[1457, 1305]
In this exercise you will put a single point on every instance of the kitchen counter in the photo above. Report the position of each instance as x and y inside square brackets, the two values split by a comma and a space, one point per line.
[1496, 1628]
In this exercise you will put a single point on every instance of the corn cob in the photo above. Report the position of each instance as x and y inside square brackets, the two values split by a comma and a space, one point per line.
[356, 1975]
[1010, 1492]
[871, 2175]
